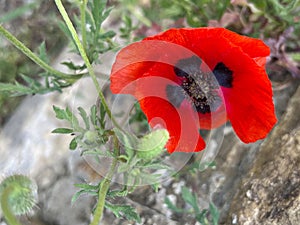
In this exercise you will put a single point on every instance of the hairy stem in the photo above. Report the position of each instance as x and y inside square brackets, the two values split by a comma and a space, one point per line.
[104, 186]
[8, 215]
[83, 23]
[83, 54]
[18, 44]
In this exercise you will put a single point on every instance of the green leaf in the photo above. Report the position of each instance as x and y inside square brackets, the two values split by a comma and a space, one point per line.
[118, 193]
[172, 206]
[17, 12]
[102, 120]
[201, 217]
[147, 178]
[108, 34]
[260, 4]
[67, 115]
[215, 214]
[98, 8]
[31, 82]
[124, 167]
[79, 193]
[127, 20]
[139, 15]
[156, 187]
[73, 144]
[98, 152]
[106, 13]
[190, 199]
[87, 186]
[43, 53]
[93, 115]
[126, 211]
[60, 113]
[129, 141]
[62, 131]
[16, 89]
[84, 117]
[71, 117]
[72, 66]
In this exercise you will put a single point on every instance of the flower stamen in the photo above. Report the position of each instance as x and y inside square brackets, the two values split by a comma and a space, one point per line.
[198, 87]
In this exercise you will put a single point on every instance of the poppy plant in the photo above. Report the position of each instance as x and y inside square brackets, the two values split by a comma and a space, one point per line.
[198, 78]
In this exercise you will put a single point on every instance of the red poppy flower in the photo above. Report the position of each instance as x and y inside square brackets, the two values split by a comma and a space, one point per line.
[191, 79]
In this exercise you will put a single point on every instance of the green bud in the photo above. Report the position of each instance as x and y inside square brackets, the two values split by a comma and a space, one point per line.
[151, 145]
[90, 137]
[20, 193]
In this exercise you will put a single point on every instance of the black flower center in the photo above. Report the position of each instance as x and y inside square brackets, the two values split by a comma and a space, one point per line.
[223, 75]
[200, 88]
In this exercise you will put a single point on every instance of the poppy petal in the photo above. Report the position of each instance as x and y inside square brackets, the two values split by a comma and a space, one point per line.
[251, 46]
[251, 89]
[184, 135]
[142, 59]
[180, 120]
[192, 38]
[249, 103]
[261, 61]
[213, 120]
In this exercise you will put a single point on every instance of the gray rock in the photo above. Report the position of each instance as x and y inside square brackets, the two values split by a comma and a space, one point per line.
[269, 194]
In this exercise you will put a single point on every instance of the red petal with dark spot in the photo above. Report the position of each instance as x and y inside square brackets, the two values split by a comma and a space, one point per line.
[248, 103]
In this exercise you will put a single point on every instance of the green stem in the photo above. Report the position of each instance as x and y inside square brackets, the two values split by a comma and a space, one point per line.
[83, 23]
[12, 39]
[104, 186]
[83, 54]
[8, 215]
